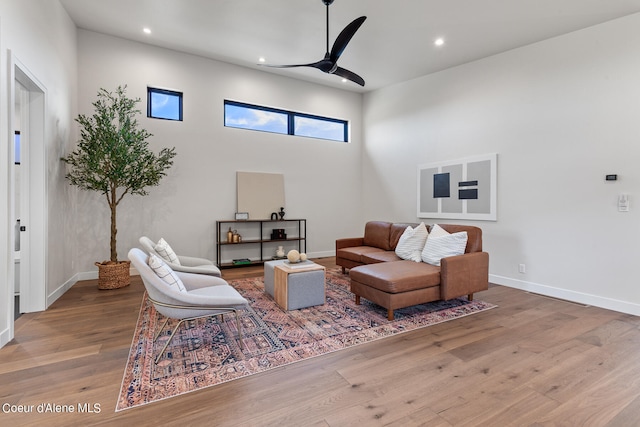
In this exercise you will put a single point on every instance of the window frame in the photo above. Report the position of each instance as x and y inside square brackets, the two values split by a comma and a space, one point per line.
[151, 90]
[291, 116]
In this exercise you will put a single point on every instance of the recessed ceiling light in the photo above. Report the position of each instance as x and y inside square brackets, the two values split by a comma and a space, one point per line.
[261, 59]
[146, 30]
[344, 80]
[439, 41]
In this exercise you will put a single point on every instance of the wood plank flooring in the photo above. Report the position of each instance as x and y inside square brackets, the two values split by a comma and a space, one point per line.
[533, 361]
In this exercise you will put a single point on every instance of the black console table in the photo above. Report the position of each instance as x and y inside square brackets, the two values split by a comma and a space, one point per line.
[259, 237]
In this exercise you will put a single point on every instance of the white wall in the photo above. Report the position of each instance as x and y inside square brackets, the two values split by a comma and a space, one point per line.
[322, 178]
[42, 37]
[561, 114]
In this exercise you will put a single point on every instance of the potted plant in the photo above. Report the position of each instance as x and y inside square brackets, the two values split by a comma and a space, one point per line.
[114, 159]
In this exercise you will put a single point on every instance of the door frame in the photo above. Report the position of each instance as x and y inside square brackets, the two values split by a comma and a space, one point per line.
[33, 243]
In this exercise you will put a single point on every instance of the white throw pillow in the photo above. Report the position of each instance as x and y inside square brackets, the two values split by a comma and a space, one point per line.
[165, 251]
[438, 247]
[165, 272]
[437, 231]
[412, 242]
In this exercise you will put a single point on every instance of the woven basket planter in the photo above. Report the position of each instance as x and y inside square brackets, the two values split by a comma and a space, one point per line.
[113, 275]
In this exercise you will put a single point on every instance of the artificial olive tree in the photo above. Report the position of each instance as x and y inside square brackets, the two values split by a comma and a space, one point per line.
[113, 155]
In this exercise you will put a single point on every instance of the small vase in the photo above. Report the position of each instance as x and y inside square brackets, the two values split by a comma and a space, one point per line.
[281, 213]
[280, 252]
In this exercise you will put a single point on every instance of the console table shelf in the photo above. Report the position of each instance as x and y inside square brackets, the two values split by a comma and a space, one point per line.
[259, 230]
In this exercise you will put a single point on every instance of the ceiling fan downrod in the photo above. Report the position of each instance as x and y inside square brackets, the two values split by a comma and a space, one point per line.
[327, 3]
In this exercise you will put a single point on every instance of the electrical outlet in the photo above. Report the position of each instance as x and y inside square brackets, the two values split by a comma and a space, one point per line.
[522, 268]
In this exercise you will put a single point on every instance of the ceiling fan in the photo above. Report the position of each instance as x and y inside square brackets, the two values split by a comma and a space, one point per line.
[329, 64]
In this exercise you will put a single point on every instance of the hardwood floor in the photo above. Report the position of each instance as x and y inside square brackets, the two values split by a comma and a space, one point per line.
[533, 361]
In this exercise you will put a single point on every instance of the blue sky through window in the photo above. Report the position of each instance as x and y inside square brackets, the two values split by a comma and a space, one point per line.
[256, 117]
[252, 118]
[318, 128]
[165, 106]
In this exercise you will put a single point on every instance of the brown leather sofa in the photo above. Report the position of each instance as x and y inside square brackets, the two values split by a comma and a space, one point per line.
[382, 277]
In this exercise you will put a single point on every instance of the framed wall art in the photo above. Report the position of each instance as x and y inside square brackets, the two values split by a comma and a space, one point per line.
[459, 189]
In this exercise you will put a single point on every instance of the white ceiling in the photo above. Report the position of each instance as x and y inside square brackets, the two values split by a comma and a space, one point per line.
[394, 44]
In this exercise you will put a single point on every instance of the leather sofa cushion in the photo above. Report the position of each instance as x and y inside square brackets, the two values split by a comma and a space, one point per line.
[397, 276]
[376, 234]
[355, 253]
[396, 232]
[380, 256]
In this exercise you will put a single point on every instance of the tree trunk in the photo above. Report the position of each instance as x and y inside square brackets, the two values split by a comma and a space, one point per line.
[114, 231]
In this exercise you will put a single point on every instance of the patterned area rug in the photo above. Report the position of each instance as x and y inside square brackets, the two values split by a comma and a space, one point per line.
[205, 352]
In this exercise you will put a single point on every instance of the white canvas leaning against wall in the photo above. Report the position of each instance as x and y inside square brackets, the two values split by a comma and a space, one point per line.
[459, 189]
[259, 194]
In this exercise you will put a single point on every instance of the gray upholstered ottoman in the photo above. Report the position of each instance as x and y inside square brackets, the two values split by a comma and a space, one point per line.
[296, 286]
[268, 275]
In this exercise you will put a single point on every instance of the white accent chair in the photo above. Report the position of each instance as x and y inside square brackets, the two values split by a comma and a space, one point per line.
[187, 264]
[205, 296]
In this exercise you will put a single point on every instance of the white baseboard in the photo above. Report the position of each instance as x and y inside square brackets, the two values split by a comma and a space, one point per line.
[5, 337]
[579, 297]
[87, 275]
[93, 275]
[53, 296]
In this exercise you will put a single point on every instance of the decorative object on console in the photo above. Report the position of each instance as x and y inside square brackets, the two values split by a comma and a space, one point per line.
[113, 158]
[280, 252]
[293, 256]
[242, 216]
[274, 216]
[278, 234]
[281, 213]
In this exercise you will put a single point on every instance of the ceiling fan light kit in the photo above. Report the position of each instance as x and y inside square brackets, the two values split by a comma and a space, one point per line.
[329, 64]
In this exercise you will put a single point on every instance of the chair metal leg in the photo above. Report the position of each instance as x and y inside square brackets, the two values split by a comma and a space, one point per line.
[169, 340]
[222, 309]
[166, 320]
[238, 324]
[239, 329]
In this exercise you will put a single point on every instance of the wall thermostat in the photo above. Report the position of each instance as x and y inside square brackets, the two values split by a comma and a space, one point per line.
[623, 203]
[612, 177]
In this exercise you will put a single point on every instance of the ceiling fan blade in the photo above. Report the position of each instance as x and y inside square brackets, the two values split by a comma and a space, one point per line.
[345, 37]
[313, 64]
[349, 75]
[324, 65]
